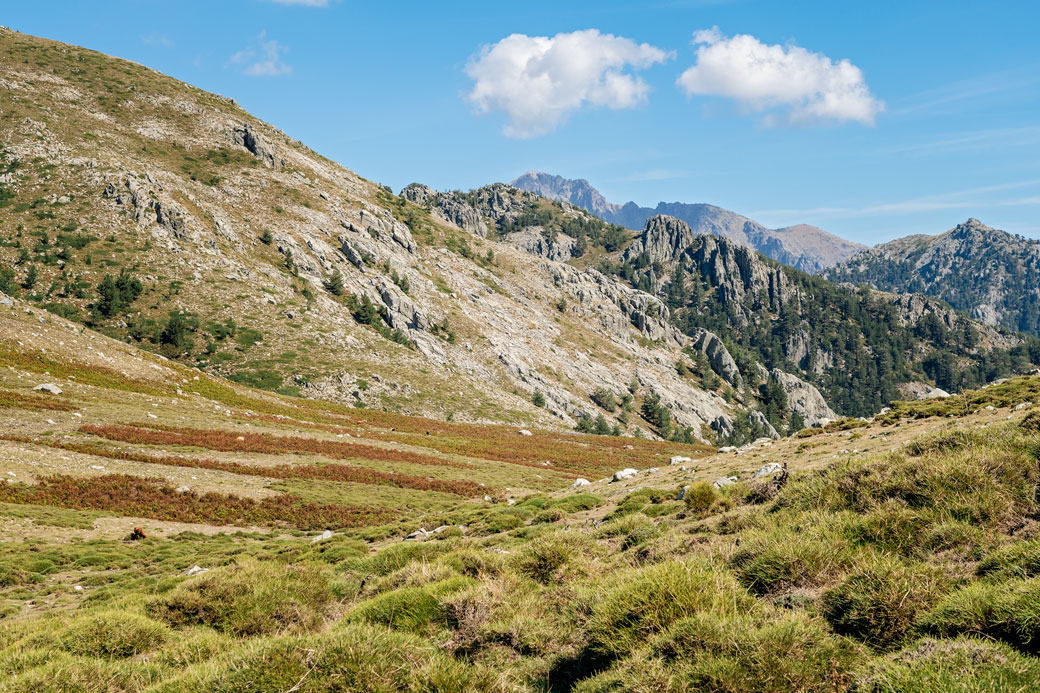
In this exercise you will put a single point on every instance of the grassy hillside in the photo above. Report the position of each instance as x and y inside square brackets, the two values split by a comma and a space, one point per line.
[169, 218]
[899, 554]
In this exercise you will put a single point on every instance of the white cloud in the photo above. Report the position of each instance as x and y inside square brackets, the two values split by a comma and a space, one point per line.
[794, 85]
[537, 81]
[161, 40]
[263, 58]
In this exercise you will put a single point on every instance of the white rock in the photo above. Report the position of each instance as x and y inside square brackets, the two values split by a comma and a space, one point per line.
[327, 534]
[97, 466]
[679, 459]
[627, 473]
[196, 570]
[724, 481]
[182, 489]
[524, 432]
[48, 387]
[766, 470]
[936, 393]
[580, 482]
[1023, 405]
[728, 448]
[989, 407]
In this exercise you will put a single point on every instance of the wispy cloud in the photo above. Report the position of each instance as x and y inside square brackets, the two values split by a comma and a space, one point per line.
[974, 139]
[972, 198]
[161, 40]
[651, 175]
[263, 58]
[305, 3]
[976, 89]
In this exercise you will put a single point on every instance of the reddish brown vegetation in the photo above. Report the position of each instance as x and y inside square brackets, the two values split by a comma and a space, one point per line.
[570, 453]
[154, 498]
[17, 400]
[230, 441]
[327, 472]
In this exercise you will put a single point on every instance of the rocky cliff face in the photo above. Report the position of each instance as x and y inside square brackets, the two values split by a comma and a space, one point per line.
[803, 247]
[856, 345]
[993, 275]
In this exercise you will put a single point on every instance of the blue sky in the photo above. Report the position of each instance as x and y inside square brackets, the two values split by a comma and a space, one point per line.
[934, 118]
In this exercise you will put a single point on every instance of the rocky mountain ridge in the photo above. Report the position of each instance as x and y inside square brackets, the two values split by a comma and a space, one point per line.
[801, 246]
[991, 274]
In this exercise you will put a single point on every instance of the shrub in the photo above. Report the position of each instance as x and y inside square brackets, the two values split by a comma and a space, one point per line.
[250, 598]
[637, 604]
[879, 602]
[1008, 611]
[538, 399]
[699, 497]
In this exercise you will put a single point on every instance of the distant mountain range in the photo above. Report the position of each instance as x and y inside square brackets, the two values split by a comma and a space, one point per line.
[991, 274]
[802, 246]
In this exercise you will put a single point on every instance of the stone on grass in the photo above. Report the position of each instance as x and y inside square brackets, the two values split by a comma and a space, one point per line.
[627, 473]
[327, 534]
[48, 387]
[766, 470]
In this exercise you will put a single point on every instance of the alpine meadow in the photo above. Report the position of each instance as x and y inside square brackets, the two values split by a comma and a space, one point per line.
[269, 425]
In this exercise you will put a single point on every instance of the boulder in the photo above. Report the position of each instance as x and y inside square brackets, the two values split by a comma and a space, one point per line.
[48, 387]
[524, 432]
[627, 473]
[767, 470]
[578, 483]
[682, 493]
[327, 534]
[679, 459]
[196, 570]
[724, 481]
[936, 393]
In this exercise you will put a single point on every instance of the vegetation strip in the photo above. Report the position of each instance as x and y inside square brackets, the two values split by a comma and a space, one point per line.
[327, 472]
[17, 400]
[154, 498]
[230, 441]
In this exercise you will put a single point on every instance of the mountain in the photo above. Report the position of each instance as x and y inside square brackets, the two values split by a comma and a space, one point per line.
[991, 274]
[167, 217]
[860, 347]
[802, 246]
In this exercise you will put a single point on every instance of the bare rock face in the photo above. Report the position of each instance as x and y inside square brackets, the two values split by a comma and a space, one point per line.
[447, 206]
[590, 289]
[247, 136]
[401, 311]
[759, 420]
[148, 205]
[719, 358]
[534, 240]
[664, 239]
[803, 398]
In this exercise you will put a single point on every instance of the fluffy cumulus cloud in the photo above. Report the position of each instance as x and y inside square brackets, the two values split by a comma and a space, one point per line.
[792, 84]
[537, 81]
[263, 58]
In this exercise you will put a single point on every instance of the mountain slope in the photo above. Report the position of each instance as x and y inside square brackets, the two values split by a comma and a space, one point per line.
[991, 274]
[802, 246]
[859, 346]
[168, 217]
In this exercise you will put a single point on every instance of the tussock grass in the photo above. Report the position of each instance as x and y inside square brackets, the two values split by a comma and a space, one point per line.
[251, 598]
